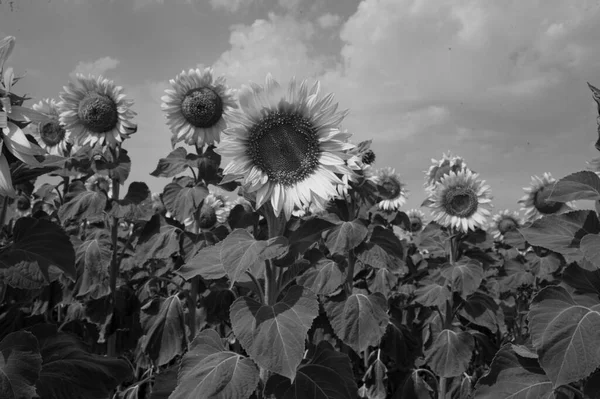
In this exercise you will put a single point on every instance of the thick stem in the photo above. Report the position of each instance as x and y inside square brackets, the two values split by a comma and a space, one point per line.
[4, 210]
[442, 388]
[114, 267]
[192, 302]
[348, 285]
[66, 182]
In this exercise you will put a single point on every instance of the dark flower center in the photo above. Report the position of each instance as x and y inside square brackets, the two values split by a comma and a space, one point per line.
[285, 147]
[368, 157]
[507, 224]
[98, 113]
[541, 202]
[51, 132]
[202, 107]
[389, 188]
[208, 217]
[460, 201]
[23, 203]
[415, 224]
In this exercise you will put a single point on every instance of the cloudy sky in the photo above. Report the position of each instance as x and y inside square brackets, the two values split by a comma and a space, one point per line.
[501, 83]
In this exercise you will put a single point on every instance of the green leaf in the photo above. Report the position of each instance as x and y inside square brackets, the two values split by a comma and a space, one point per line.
[39, 243]
[93, 257]
[165, 383]
[383, 281]
[450, 353]
[590, 246]
[85, 205]
[584, 185]
[206, 263]
[68, 371]
[464, 277]
[564, 331]
[513, 376]
[175, 163]
[159, 240]
[433, 239]
[274, 336]
[328, 375]
[376, 380]
[210, 371]
[345, 237]
[481, 310]
[432, 295]
[562, 233]
[20, 366]
[118, 168]
[136, 206]
[164, 329]
[359, 320]
[240, 251]
[323, 278]
[208, 165]
[583, 280]
[183, 202]
[382, 251]
[308, 233]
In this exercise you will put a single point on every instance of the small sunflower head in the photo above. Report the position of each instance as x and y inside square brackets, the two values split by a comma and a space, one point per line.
[504, 222]
[416, 219]
[443, 167]
[536, 203]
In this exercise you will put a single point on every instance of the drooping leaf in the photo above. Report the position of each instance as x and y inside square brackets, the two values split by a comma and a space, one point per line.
[165, 383]
[137, 204]
[481, 310]
[182, 201]
[206, 263]
[323, 278]
[358, 320]
[208, 370]
[464, 276]
[583, 280]
[328, 375]
[175, 163]
[208, 165]
[308, 233]
[590, 246]
[159, 240]
[513, 376]
[562, 233]
[345, 237]
[543, 267]
[376, 380]
[164, 329]
[20, 365]
[85, 205]
[383, 250]
[433, 295]
[68, 371]
[433, 239]
[93, 257]
[273, 336]
[39, 243]
[450, 353]
[240, 251]
[584, 185]
[118, 166]
[565, 333]
[383, 281]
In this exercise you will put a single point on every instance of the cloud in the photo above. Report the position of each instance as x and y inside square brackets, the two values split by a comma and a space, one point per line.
[98, 67]
[329, 20]
[231, 5]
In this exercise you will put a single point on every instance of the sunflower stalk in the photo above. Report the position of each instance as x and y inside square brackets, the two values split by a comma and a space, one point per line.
[442, 388]
[114, 267]
[195, 288]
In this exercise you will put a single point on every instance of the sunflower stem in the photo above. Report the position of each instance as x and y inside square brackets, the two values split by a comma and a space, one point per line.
[114, 267]
[442, 388]
[4, 210]
[193, 297]
[66, 182]
[350, 275]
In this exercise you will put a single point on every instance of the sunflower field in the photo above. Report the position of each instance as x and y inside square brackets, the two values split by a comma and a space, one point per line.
[279, 261]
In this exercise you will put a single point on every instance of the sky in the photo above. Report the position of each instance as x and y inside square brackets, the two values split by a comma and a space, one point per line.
[502, 84]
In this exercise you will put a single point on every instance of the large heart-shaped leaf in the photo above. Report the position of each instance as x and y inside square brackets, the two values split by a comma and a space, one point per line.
[68, 371]
[117, 165]
[137, 204]
[210, 371]
[85, 205]
[240, 251]
[164, 328]
[515, 377]
[359, 320]
[481, 310]
[346, 236]
[584, 185]
[383, 281]
[328, 375]
[583, 280]
[20, 365]
[450, 353]
[274, 336]
[432, 295]
[564, 330]
[323, 278]
[308, 233]
[183, 202]
[382, 251]
[464, 277]
[562, 233]
[159, 240]
[175, 163]
[206, 263]
[42, 244]
[590, 246]
[93, 257]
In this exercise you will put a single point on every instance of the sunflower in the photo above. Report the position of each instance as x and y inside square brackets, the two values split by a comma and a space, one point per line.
[96, 111]
[535, 202]
[461, 201]
[391, 189]
[195, 107]
[213, 210]
[22, 206]
[50, 134]
[99, 183]
[287, 145]
[440, 168]
[416, 219]
[503, 222]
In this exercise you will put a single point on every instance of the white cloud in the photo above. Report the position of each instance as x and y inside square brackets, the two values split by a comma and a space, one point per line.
[98, 67]
[329, 20]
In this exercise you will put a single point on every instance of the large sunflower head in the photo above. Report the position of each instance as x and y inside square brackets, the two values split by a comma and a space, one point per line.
[50, 134]
[416, 219]
[391, 189]
[195, 106]
[287, 144]
[504, 222]
[96, 111]
[461, 201]
[535, 202]
[443, 167]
